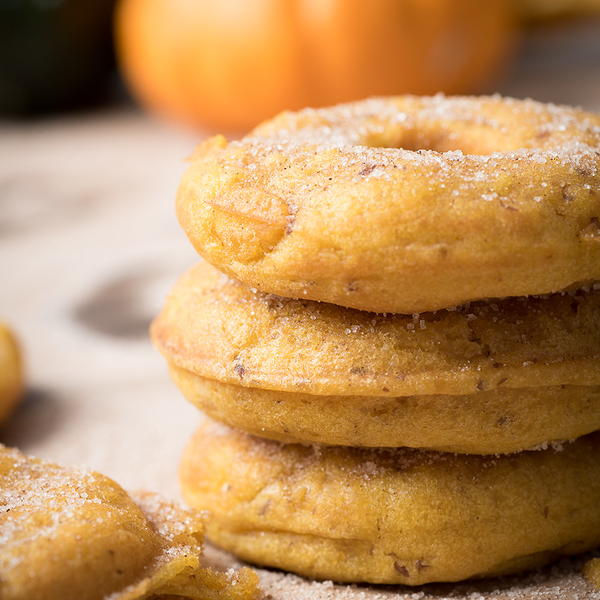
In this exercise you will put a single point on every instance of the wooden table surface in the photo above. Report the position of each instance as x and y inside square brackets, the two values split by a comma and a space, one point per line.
[89, 245]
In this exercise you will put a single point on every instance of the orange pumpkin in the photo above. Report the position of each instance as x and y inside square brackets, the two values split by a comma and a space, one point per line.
[229, 64]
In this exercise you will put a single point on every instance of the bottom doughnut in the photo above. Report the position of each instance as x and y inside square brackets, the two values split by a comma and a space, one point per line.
[392, 516]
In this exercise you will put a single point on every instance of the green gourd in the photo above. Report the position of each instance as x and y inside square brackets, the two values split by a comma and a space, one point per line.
[54, 54]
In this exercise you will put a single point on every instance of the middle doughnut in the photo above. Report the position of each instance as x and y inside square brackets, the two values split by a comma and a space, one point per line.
[484, 379]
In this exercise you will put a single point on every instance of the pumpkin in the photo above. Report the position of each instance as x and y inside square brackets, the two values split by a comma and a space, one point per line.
[229, 64]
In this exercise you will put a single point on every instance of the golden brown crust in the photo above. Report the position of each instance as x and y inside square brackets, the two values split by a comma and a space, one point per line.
[392, 516]
[495, 422]
[72, 534]
[217, 328]
[337, 205]
[11, 372]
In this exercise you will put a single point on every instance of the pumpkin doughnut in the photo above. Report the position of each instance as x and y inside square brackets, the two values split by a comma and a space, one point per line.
[495, 422]
[67, 533]
[392, 516]
[11, 372]
[405, 204]
[217, 328]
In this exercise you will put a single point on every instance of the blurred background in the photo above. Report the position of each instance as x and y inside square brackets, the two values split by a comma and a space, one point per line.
[100, 103]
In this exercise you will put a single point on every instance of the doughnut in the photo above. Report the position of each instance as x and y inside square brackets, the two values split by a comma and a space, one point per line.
[495, 422]
[11, 373]
[217, 328]
[392, 516]
[403, 205]
[490, 378]
[67, 533]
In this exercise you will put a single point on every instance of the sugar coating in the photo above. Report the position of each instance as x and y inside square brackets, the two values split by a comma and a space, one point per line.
[27, 487]
[350, 127]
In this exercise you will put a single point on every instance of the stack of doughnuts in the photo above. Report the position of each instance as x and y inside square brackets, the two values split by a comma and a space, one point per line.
[399, 354]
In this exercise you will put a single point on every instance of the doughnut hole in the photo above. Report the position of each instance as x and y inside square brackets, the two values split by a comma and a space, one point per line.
[468, 138]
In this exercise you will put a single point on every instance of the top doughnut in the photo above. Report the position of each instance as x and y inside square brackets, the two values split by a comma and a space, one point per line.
[403, 204]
